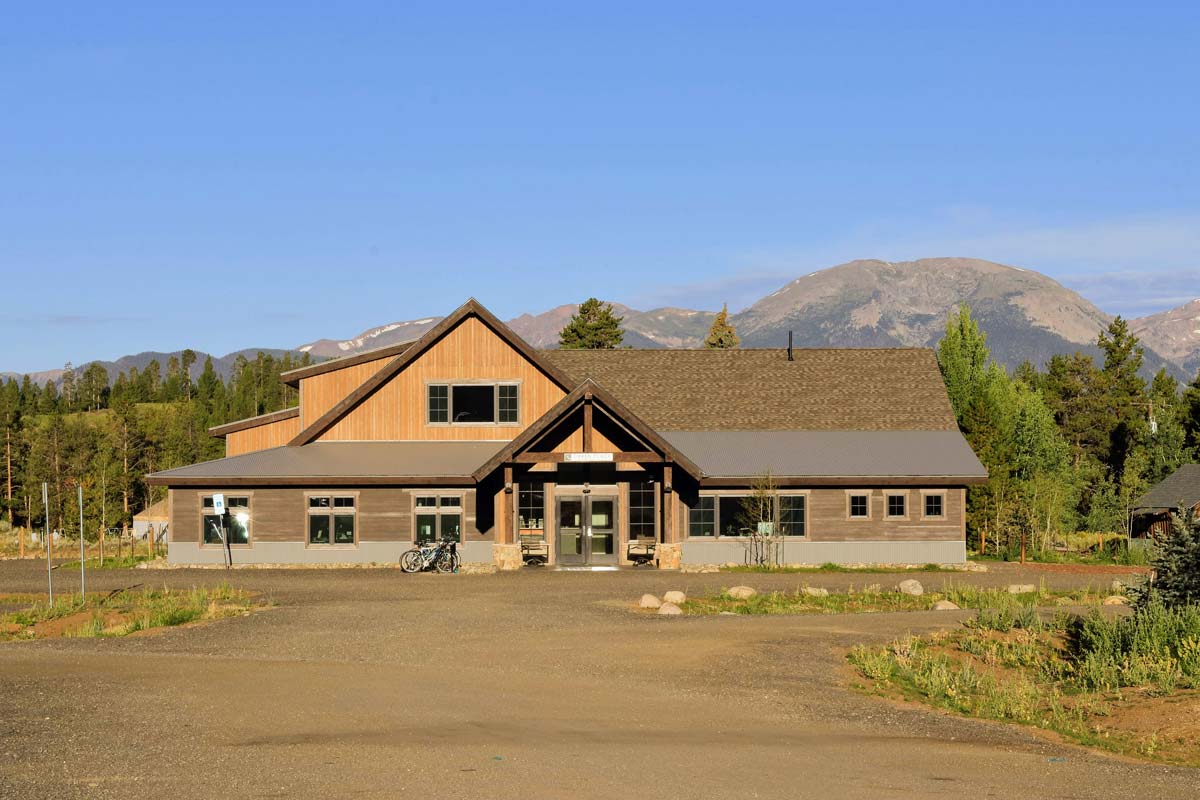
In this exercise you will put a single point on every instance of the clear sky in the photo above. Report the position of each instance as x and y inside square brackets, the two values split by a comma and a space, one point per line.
[243, 174]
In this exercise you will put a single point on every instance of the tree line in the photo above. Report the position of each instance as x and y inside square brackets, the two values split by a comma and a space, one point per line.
[1070, 447]
[107, 436]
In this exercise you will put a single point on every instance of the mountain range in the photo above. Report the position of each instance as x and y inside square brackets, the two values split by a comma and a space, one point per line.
[867, 303]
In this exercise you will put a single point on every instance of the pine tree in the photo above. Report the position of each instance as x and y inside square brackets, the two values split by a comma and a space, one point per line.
[1176, 564]
[722, 336]
[963, 357]
[593, 327]
[1191, 417]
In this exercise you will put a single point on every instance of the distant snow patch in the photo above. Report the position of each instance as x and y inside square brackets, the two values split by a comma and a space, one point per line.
[305, 348]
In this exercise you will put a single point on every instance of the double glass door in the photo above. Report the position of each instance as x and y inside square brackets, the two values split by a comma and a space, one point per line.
[587, 529]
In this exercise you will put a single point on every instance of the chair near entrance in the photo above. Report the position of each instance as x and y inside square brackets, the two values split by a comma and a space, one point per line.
[642, 550]
[535, 550]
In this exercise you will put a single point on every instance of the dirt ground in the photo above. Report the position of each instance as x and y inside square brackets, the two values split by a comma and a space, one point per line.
[377, 684]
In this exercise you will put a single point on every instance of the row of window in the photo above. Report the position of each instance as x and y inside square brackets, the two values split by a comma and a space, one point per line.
[740, 515]
[332, 519]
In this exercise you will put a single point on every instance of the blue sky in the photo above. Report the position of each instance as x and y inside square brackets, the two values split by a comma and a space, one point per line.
[243, 174]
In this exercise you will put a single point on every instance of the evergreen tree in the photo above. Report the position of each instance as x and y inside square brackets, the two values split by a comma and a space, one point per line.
[722, 336]
[1074, 392]
[963, 357]
[593, 327]
[1190, 415]
[10, 429]
[1165, 448]
[1176, 564]
[1124, 392]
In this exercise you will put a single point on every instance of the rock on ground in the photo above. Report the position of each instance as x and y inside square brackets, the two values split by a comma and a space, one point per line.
[649, 601]
[912, 587]
[944, 605]
[1116, 600]
[816, 591]
[741, 592]
[670, 609]
[674, 597]
[1021, 588]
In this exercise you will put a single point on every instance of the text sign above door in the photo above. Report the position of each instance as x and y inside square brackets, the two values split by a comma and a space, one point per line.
[587, 457]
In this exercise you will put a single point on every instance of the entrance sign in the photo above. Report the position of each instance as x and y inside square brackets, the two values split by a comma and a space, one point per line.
[218, 504]
[766, 529]
[587, 457]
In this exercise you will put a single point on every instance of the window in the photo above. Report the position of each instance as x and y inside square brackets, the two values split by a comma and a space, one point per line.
[331, 520]
[473, 403]
[438, 518]
[439, 403]
[236, 523]
[792, 520]
[531, 507]
[897, 505]
[508, 403]
[935, 506]
[702, 518]
[860, 506]
[642, 516]
[731, 515]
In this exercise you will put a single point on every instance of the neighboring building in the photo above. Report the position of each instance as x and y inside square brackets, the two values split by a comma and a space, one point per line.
[1152, 511]
[153, 520]
[471, 434]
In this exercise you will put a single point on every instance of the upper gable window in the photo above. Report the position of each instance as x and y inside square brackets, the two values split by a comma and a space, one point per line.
[473, 403]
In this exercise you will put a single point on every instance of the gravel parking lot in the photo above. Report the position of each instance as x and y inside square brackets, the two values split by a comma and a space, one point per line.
[374, 684]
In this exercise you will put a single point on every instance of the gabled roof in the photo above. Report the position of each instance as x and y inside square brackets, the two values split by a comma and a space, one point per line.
[747, 389]
[471, 308]
[292, 377]
[1180, 488]
[220, 431]
[588, 390]
[338, 464]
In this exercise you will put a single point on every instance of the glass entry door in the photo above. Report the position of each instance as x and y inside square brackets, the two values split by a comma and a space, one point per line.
[587, 530]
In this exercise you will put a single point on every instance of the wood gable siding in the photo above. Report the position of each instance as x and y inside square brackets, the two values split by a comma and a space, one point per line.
[261, 437]
[322, 392]
[469, 352]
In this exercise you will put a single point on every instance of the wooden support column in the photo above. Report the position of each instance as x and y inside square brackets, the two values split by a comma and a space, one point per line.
[668, 504]
[507, 537]
[587, 423]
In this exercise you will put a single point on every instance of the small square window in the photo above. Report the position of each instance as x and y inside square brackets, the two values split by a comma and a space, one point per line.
[318, 502]
[896, 506]
[509, 409]
[702, 517]
[343, 502]
[426, 501]
[935, 505]
[439, 403]
[858, 506]
[450, 501]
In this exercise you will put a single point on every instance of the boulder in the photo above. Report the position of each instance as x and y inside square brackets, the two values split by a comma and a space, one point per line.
[741, 592]
[912, 587]
[649, 601]
[1116, 600]
[815, 591]
[944, 605]
[674, 598]
[670, 609]
[1022, 588]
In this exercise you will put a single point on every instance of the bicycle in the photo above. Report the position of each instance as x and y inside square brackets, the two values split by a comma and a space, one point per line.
[440, 556]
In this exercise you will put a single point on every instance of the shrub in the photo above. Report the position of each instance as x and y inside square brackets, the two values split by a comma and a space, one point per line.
[1176, 562]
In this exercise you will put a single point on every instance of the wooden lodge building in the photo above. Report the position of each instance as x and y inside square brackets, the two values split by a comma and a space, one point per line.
[598, 456]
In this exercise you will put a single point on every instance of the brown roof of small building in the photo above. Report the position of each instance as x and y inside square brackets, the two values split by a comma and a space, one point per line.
[746, 390]
[1180, 488]
[155, 513]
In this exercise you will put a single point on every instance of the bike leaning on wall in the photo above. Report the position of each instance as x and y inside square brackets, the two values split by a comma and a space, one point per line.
[434, 556]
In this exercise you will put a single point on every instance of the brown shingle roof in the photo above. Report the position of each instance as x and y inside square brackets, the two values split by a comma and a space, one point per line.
[1180, 488]
[745, 390]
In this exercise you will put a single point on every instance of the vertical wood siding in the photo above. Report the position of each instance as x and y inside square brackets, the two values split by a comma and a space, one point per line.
[322, 392]
[262, 437]
[471, 351]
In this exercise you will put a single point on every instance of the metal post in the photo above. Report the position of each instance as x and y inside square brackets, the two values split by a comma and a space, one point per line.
[82, 552]
[46, 543]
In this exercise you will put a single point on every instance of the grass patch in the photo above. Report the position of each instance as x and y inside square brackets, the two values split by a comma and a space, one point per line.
[1127, 684]
[763, 568]
[874, 599]
[121, 613]
[110, 562]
